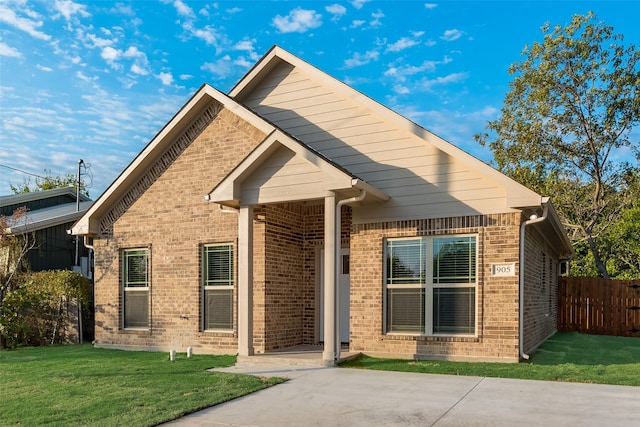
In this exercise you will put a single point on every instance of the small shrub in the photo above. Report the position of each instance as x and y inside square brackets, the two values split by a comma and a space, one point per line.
[33, 313]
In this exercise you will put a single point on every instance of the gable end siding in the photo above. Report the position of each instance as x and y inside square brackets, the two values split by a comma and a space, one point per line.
[422, 181]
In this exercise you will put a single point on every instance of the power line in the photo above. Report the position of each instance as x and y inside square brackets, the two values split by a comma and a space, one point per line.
[21, 171]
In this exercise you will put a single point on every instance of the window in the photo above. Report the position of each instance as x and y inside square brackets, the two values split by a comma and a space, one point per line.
[135, 284]
[218, 281]
[431, 285]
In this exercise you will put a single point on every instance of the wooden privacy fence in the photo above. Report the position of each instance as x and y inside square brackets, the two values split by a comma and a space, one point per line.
[599, 306]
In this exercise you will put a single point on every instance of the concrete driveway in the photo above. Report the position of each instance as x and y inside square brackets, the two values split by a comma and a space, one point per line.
[350, 397]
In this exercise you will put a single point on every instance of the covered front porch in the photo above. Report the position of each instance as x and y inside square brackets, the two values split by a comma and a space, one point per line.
[294, 219]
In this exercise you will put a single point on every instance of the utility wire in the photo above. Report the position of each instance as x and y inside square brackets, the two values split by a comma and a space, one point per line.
[21, 171]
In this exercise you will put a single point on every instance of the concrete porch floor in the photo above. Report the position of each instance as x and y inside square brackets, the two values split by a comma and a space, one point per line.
[298, 356]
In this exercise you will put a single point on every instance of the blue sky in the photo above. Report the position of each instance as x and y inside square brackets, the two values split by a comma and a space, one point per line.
[97, 80]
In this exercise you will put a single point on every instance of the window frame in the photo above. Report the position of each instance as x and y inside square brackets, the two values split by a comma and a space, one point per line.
[428, 284]
[230, 286]
[135, 286]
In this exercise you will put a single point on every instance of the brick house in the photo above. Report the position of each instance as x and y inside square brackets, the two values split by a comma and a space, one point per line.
[295, 210]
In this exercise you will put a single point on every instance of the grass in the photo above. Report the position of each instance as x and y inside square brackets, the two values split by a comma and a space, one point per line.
[567, 356]
[80, 385]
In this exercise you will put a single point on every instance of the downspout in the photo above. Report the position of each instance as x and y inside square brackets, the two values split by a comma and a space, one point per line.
[91, 251]
[338, 249]
[534, 219]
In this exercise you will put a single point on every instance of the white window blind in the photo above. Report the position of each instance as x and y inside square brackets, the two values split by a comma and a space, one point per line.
[218, 282]
[431, 285]
[135, 288]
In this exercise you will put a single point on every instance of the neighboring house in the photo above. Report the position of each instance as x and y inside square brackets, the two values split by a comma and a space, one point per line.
[296, 210]
[50, 214]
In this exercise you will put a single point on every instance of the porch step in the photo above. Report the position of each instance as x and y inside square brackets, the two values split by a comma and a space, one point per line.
[297, 357]
[268, 361]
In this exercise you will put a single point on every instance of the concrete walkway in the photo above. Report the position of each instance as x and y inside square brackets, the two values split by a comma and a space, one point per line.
[352, 397]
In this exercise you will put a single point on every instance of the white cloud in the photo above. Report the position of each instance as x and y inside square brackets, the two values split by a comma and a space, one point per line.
[207, 34]
[298, 21]
[359, 3]
[122, 9]
[85, 78]
[405, 42]
[6, 50]
[376, 18]
[185, 77]
[233, 10]
[337, 10]
[183, 9]
[401, 90]
[242, 62]
[359, 59]
[451, 35]
[68, 8]
[98, 41]
[29, 26]
[400, 73]
[357, 23]
[247, 46]
[111, 55]
[221, 68]
[140, 62]
[428, 84]
[165, 78]
[137, 69]
[44, 68]
[430, 5]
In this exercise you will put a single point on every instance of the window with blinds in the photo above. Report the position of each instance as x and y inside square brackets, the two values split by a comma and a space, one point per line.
[431, 285]
[218, 281]
[135, 288]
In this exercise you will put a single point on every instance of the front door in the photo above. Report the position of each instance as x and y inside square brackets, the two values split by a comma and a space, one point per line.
[342, 295]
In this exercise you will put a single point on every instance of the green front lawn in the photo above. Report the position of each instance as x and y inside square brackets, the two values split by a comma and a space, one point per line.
[80, 385]
[567, 356]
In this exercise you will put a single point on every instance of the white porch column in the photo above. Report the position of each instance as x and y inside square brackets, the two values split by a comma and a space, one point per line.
[245, 281]
[329, 279]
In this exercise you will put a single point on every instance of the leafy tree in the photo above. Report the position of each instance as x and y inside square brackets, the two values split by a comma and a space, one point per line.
[48, 182]
[568, 115]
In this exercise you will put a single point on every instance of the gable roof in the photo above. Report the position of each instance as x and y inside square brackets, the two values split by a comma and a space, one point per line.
[518, 196]
[278, 139]
[334, 178]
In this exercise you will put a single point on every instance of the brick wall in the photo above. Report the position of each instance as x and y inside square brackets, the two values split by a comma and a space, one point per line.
[284, 290]
[497, 298]
[541, 290]
[170, 217]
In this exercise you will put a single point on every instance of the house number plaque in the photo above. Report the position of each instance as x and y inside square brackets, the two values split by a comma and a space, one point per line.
[503, 269]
